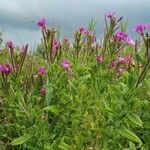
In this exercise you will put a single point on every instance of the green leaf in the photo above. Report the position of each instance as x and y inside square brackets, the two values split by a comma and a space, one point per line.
[135, 119]
[147, 125]
[63, 145]
[124, 87]
[53, 108]
[138, 58]
[132, 146]
[123, 25]
[114, 89]
[129, 135]
[47, 147]
[49, 93]
[84, 78]
[21, 139]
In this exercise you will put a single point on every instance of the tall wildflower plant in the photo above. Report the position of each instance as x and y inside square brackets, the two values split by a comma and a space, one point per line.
[17, 60]
[114, 40]
[15, 64]
[111, 25]
[85, 41]
[52, 45]
[140, 29]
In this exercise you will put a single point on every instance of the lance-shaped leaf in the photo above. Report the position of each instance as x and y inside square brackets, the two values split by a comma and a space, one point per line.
[135, 119]
[21, 139]
[129, 135]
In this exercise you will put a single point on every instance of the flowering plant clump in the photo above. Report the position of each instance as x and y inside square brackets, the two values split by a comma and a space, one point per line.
[84, 92]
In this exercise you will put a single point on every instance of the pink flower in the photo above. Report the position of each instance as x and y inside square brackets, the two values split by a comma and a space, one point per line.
[66, 64]
[123, 60]
[42, 91]
[99, 58]
[112, 64]
[84, 30]
[120, 70]
[109, 14]
[41, 22]
[140, 28]
[6, 69]
[9, 44]
[121, 36]
[42, 71]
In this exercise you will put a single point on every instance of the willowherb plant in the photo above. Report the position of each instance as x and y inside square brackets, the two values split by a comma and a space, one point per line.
[81, 95]
[140, 28]
[52, 45]
[17, 61]
[114, 41]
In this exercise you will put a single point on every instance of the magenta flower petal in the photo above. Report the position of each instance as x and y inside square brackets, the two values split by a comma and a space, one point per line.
[121, 36]
[66, 64]
[140, 28]
[109, 14]
[112, 64]
[41, 23]
[99, 58]
[42, 71]
[6, 69]
[124, 37]
[84, 30]
[2, 68]
[9, 44]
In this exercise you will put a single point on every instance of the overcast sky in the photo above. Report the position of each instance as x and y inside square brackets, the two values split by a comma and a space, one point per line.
[18, 17]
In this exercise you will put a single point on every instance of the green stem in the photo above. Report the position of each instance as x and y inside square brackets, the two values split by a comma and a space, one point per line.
[143, 73]
[45, 44]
